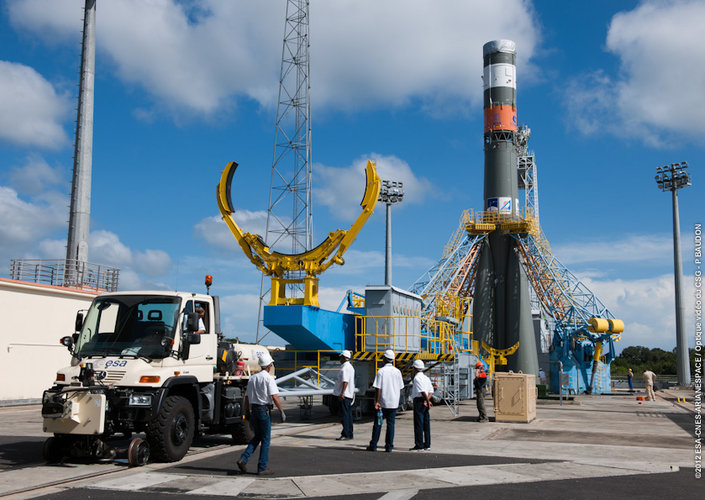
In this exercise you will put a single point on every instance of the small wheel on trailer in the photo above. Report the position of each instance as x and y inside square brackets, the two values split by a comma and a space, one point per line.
[242, 432]
[138, 452]
[170, 434]
[53, 450]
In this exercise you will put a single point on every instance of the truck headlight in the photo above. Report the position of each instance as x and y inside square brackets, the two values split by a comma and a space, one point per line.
[137, 399]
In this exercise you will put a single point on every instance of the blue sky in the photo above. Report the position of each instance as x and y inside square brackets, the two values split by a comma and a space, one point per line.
[610, 90]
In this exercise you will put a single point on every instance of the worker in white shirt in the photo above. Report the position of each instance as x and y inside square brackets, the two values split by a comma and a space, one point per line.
[421, 393]
[261, 392]
[345, 391]
[388, 383]
[201, 316]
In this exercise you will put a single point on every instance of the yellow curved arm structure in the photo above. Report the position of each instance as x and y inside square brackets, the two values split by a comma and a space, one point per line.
[313, 262]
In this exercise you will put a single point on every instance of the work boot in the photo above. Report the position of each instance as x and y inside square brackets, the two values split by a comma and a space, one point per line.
[265, 472]
[242, 466]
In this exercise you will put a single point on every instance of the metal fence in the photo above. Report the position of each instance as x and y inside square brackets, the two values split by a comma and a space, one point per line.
[66, 272]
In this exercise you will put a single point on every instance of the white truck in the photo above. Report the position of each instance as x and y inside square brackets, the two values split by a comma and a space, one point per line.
[142, 363]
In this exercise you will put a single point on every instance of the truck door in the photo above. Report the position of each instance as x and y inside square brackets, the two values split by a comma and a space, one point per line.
[202, 356]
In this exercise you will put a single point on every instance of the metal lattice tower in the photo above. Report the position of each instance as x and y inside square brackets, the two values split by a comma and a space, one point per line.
[289, 213]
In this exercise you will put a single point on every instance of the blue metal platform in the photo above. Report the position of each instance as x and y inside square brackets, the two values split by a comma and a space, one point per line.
[310, 327]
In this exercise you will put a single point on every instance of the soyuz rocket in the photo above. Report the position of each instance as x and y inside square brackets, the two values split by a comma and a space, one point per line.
[501, 304]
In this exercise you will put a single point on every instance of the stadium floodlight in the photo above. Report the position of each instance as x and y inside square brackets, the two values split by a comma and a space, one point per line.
[672, 178]
[390, 193]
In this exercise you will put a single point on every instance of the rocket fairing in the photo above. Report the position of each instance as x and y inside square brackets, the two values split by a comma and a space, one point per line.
[501, 305]
[499, 78]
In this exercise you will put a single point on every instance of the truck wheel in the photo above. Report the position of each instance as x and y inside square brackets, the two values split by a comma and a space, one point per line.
[138, 452]
[53, 450]
[242, 432]
[170, 434]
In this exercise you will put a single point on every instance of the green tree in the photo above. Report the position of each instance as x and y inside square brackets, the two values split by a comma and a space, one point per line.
[639, 358]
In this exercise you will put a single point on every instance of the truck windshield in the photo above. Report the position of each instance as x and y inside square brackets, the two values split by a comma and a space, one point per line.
[128, 325]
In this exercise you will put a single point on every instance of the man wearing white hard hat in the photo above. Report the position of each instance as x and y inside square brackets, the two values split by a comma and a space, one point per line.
[345, 391]
[421, 393]
[388, 384]
[261, 392]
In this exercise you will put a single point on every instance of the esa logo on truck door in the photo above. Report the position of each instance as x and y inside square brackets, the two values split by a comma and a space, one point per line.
[116, 363]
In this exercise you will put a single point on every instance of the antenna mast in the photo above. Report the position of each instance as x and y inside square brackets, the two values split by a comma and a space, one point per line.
[79, 219]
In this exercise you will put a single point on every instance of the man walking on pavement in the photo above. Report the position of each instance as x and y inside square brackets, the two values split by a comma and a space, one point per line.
[421, 394]
[388, 384]
[345, 391]
[479, 383]
[261, 391]
[649, 377]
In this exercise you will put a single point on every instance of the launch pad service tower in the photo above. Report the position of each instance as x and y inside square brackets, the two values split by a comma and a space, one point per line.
[501, 305]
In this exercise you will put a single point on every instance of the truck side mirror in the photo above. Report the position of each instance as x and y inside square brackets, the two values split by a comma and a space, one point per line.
[193, 338]
[79, 321]
[191, 322]
[68, 342]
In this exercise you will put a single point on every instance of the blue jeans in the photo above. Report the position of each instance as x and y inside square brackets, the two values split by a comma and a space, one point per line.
[262, 425]
[346, 417]
[389, 415]
[422, 424]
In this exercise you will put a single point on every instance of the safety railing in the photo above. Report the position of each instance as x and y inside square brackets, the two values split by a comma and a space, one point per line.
[66, 273]
[315, 360]
[440, 335]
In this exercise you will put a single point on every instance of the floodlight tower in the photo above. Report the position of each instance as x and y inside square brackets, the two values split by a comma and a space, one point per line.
[289, 213]
[672, 178]
[80, 214]
[392, 192]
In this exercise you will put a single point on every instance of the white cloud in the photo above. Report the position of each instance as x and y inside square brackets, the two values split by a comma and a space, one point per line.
[657, 94]
[647, 307]
[138, 269]
[635, 248]
[24, 222]
[106, 247]
[341, 188]
[152, 262]
[30, 109]
[198, 56]
[52, 249]
[213, 230]
[35, 175]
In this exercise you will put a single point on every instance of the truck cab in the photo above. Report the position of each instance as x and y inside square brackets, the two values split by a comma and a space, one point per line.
[147, 362]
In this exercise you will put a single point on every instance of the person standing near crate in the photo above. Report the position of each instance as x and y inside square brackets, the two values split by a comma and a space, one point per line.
[388, 384]
[479, 383]
[421, 393]
[345, 391]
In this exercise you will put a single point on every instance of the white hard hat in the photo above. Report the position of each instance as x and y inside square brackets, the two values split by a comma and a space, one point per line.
[418, 364]
[389, 354]
[346, 354]
[265, 359]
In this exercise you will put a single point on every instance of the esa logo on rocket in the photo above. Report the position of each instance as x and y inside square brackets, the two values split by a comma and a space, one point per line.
[503, 205]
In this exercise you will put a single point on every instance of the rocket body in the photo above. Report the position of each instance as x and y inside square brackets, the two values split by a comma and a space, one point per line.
[501, 305]
[499, 78]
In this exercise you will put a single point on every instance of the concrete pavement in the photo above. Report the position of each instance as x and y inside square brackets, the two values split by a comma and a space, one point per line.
[594, 441]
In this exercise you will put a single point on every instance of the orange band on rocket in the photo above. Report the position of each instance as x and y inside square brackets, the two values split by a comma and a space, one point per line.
[500, 117]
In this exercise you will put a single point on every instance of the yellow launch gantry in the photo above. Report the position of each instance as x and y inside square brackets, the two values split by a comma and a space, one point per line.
[280, 266]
